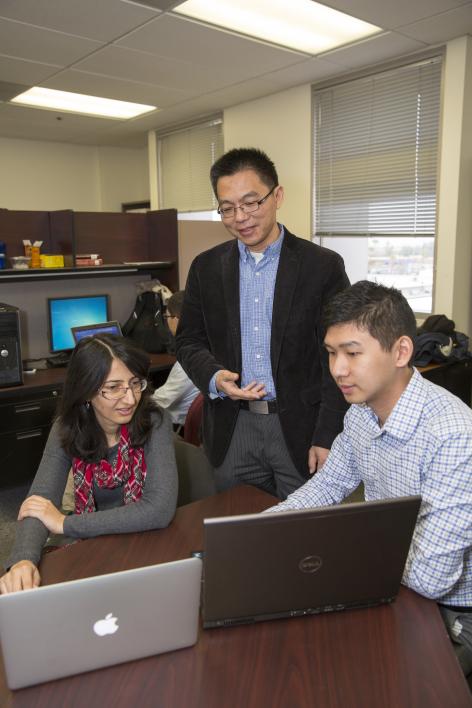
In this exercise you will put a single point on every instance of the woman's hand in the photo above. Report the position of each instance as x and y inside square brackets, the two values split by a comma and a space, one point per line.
[44, 510]
[22, 576]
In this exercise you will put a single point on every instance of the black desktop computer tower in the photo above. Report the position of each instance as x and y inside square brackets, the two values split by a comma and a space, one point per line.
[11, 368]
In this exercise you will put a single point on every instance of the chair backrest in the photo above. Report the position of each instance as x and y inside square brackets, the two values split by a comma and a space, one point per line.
[193, 421]
[195, 472]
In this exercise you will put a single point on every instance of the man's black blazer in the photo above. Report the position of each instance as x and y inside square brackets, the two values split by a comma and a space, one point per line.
[311, 407]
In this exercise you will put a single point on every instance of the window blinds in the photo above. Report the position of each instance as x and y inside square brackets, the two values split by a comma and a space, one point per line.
[375, 153]
[185, 157]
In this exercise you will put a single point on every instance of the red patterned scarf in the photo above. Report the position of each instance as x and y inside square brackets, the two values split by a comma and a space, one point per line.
[128, 469]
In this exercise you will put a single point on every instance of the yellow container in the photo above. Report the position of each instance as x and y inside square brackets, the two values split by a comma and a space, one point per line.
[35, 259]
[48, 261]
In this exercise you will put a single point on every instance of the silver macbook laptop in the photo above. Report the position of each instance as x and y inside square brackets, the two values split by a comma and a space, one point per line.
[64, 629]
[292, 563]
[111, 327]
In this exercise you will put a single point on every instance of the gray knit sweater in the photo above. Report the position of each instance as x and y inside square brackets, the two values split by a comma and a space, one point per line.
[155, 508]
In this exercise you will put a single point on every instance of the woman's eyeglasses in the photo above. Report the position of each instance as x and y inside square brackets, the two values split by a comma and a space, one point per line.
[114, 391]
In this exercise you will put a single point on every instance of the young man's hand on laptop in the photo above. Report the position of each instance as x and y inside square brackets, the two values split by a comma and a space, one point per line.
[22, 576]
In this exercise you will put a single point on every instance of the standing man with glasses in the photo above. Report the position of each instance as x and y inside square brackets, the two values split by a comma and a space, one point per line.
[249, 336]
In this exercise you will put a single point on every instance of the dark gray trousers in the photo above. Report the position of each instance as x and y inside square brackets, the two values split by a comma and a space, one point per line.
[258, 455]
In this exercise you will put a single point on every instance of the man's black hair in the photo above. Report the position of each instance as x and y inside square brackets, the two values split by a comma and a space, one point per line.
[175, 302]
[240, 159]
[383, 312]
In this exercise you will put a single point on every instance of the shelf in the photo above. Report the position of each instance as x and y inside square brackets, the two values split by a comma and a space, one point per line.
[11, 275]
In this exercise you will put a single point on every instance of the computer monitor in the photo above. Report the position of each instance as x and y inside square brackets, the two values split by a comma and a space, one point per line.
[67, 312]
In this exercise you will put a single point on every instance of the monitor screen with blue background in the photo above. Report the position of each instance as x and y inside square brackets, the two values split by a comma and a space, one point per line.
[67, 312]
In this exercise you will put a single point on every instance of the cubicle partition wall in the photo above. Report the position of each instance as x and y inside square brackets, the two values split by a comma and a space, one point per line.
[149, 239]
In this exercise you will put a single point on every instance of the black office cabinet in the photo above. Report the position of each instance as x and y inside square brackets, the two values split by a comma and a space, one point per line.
[25, 421]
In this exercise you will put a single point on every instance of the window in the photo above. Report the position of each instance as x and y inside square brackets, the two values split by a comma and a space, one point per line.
[375, 165]
[185, 157]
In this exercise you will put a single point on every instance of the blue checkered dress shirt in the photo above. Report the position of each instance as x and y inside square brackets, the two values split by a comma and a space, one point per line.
[256, 297]
[424, 447]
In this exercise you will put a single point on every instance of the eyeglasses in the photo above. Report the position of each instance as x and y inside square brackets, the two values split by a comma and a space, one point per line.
[246, 207]
[114, 391]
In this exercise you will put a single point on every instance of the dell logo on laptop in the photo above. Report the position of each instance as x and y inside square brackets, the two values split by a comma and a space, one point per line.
[310, 564]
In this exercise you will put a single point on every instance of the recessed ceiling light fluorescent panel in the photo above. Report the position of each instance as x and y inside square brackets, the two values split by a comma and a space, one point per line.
[50, 99]
[303, 25]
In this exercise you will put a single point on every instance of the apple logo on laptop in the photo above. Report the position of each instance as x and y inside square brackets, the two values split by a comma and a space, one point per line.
[106, 626]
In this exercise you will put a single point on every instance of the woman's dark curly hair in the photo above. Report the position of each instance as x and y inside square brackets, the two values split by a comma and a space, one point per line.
[89, 366]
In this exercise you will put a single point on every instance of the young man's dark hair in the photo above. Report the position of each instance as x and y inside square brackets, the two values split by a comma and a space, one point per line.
[245, 159]
[174, 303]
[383, 312]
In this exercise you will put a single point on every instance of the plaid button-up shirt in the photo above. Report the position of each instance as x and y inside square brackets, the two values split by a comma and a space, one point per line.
[424, 447]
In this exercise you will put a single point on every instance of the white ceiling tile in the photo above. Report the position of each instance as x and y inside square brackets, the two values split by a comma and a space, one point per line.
[24, 72]
[130, 50]
[389, 15]
[33, 43]
[148, 68]
[119, 89]
[189, 110]
[30, 123]
[187, 40]
[314, 69]
[441, 28]
[373, 51]
[102, 20]
[232, 95]
[23, 114]
[155, 4]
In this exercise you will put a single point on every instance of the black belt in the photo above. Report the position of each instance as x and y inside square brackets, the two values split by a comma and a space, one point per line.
[456, 608]
[261, 407]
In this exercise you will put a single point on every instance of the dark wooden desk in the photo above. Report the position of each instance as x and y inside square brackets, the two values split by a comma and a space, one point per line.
[395, 656]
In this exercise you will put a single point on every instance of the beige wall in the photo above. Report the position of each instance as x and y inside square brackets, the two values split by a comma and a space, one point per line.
[280, 125]
[48, 176]
[454, 242]
[194, 238]
[123, 177]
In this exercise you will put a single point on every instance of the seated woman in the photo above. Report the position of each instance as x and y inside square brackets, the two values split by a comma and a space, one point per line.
[121, 450]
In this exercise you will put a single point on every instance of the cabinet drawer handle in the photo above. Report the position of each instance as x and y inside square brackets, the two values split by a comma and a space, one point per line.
[29, 434]
[28, 408]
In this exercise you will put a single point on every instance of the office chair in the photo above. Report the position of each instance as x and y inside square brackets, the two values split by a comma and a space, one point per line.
[193, 421]
[195, 472]
[464, 657]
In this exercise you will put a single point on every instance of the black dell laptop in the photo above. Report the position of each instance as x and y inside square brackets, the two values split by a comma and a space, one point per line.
[293, 563]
